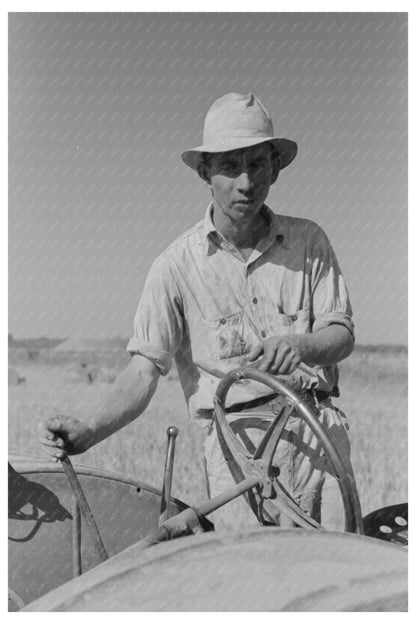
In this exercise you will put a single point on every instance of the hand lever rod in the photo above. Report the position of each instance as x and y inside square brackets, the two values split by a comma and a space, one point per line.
[172, 433]
[84, 507]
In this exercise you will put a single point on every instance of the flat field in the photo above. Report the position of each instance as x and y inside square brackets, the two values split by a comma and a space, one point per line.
[373, 395]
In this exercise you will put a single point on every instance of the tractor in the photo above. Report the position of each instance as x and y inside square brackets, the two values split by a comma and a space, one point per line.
[88, 540]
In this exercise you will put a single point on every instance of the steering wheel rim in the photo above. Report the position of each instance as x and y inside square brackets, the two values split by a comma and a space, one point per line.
[349, 494]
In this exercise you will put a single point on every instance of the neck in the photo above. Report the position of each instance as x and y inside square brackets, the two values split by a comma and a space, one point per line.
[242, 233]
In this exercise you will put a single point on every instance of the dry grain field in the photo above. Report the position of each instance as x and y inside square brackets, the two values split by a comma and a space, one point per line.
[373, 385]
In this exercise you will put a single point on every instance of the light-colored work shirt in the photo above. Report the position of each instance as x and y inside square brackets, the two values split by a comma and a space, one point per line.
[206, 307]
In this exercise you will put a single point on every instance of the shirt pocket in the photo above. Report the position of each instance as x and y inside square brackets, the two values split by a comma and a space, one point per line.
[297, 323]
[226, 336]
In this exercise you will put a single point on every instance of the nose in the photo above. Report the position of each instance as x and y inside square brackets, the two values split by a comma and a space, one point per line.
[244, 182]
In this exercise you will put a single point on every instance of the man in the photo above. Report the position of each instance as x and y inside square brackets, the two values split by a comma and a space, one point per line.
[244, 286]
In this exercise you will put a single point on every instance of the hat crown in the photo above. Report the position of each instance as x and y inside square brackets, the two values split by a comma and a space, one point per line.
[237, 115]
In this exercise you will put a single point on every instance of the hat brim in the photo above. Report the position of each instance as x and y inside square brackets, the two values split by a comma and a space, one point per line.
[286, 148]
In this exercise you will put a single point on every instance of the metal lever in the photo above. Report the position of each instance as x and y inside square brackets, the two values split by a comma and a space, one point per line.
[84, 507]
[172, 433]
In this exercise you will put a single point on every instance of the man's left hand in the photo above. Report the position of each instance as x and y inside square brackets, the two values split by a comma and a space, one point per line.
[280, 354]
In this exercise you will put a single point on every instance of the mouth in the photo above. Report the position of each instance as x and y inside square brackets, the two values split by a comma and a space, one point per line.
[244, 202]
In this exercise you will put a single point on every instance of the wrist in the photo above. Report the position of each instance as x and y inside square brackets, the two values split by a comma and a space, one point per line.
[302, 346]
[93, 432]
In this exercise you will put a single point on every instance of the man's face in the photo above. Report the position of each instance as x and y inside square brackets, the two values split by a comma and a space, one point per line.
[240, 180]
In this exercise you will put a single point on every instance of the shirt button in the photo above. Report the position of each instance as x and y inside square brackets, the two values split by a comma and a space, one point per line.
[263, 333]
[255, 300]
[223, 321]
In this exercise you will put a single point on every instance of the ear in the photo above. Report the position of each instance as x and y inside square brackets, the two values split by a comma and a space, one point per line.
[276, 166]
[203, 172]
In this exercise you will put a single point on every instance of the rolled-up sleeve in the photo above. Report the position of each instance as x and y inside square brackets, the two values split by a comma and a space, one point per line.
[158, 323]
[330, 300]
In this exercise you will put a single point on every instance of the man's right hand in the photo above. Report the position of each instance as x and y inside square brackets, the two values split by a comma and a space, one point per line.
[61, 434]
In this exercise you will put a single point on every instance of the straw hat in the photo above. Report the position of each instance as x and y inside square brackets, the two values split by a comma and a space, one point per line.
[235, 121]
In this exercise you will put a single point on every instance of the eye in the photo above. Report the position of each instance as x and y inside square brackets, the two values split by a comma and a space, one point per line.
[258, 165]
[228, 166]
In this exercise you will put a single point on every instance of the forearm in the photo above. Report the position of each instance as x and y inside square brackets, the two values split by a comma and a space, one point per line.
[326, 346]
[125, 399]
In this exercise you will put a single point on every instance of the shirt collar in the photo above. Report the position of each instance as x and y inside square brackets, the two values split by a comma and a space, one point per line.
[276, 229]
[209, 226]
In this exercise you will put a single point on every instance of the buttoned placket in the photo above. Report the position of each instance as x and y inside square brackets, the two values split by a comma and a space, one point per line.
[254, 302]
[250, 293]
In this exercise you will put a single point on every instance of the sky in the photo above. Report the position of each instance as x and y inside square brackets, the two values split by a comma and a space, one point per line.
[101, 106]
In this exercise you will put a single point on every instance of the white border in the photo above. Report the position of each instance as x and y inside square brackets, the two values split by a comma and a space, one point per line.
[213, 6]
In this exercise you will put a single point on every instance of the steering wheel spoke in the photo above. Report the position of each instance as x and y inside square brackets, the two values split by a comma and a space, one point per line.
[267, 446]
[286, 504]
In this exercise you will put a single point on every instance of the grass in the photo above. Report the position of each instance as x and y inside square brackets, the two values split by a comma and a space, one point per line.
[373, 395]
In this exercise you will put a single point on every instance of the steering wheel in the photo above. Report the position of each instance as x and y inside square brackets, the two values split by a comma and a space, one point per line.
[269, 496]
